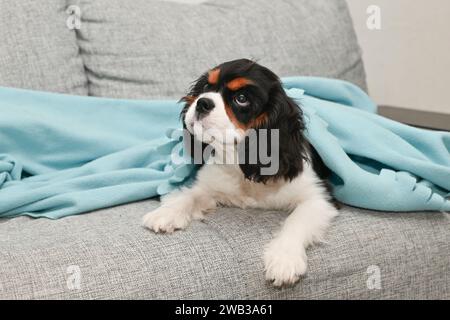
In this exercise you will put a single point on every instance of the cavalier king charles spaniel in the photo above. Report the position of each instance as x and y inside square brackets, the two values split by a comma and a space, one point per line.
[231, 109]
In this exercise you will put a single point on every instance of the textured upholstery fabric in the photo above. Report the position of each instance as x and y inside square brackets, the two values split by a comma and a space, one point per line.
[38, 50]
[151, 48]
[221, 257]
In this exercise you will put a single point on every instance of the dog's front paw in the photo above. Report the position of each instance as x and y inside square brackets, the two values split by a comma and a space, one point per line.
[284, 263]
[166, 219]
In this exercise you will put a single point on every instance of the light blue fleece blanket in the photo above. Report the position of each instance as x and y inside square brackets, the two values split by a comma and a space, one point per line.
[62, 155]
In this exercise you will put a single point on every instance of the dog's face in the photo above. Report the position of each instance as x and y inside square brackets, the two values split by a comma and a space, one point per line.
[230, 99]
[239, 96]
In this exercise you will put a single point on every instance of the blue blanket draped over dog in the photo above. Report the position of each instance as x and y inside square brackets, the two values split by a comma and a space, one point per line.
[62, 155]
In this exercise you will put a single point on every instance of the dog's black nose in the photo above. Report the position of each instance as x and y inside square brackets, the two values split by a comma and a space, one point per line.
[204, 106]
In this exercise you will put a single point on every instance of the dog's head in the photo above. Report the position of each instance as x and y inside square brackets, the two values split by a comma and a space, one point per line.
[241, 96]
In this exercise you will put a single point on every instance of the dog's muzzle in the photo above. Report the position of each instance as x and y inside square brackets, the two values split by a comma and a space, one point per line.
[203, 107]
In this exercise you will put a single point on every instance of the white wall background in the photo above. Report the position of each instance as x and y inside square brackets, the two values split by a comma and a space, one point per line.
[408, 60]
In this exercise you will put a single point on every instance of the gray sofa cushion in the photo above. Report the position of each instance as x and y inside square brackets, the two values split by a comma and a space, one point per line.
[38, 50]
[155, 49]
[221, 257]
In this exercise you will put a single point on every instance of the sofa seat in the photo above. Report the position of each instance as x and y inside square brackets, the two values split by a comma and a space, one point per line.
[366, 255]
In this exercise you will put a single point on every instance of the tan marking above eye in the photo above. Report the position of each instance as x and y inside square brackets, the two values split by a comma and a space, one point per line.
[238, 83]
[213, 76]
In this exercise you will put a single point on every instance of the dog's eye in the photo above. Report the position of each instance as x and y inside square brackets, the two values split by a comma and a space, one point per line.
[205, 87]
[241, 100]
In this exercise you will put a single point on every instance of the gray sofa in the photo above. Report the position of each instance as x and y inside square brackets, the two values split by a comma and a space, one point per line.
[153, 49]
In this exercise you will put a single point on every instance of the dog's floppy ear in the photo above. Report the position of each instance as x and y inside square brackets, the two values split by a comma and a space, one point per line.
[191, 145]
[194, 91]
[285, 116]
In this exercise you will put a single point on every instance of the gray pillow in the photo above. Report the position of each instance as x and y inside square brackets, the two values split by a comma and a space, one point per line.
[38, 50]
[155, 49]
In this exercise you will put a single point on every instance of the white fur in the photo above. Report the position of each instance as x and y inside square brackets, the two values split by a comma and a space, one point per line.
[285, 256]
[216, 128]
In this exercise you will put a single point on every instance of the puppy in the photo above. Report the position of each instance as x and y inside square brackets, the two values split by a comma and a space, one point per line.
[225, 107]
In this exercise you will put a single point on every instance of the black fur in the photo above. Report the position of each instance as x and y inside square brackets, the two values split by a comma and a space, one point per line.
[285, 116]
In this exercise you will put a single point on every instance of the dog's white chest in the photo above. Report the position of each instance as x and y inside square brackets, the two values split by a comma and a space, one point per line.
[229, 185]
